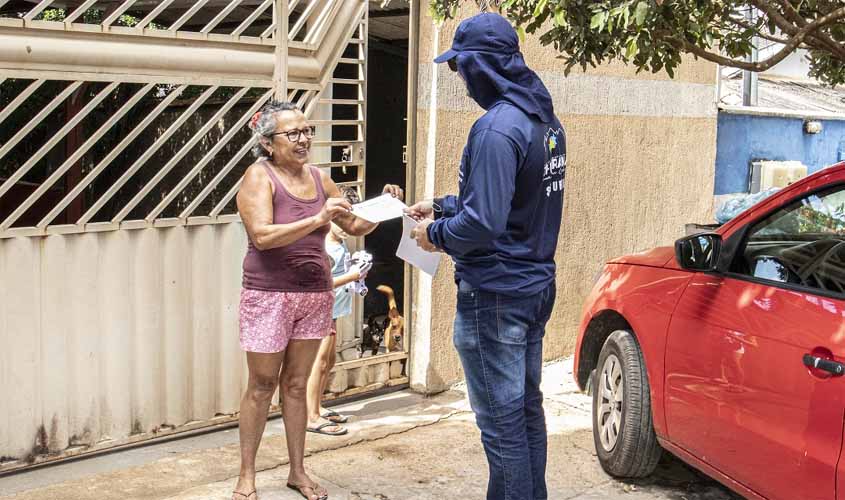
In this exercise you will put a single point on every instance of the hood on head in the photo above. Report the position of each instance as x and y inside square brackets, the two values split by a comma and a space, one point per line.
[486, 52]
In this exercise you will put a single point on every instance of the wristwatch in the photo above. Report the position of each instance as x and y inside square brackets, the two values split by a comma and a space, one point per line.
[437, 207]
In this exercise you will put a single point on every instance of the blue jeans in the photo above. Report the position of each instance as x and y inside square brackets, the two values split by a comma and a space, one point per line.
[500, 342]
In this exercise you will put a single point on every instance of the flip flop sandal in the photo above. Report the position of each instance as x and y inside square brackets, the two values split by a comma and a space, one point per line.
[335, 417]
[300, 489]
[320, 429]
[245, 495]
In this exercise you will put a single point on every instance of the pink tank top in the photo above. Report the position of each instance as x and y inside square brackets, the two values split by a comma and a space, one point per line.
[302, 266]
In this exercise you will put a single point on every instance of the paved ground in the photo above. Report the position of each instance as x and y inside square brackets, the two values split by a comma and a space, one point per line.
[401, 446]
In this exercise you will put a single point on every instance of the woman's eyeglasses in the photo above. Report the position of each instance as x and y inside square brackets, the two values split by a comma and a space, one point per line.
[296, 135]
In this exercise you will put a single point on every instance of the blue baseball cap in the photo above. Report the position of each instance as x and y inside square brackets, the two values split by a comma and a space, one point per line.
[485, 32]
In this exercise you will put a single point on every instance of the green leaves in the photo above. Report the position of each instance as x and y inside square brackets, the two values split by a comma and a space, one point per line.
[640, 13]
[612, 17]
[598, 21]
[520, 32]
[541, 6]
[94, 16]
[632, 49]
[656, 35]
[52, 15]
[440, 10]
[560, 16]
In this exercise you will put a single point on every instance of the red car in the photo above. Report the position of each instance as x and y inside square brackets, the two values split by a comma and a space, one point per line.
[728, 350]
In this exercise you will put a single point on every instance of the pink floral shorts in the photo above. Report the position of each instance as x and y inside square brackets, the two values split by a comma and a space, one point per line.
[269, 320]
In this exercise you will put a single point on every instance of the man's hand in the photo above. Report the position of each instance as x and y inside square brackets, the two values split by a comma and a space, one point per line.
[420, 234]
[394, 191]
[421, 210]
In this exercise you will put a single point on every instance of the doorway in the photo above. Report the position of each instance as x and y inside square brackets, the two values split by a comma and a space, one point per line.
[368, 113]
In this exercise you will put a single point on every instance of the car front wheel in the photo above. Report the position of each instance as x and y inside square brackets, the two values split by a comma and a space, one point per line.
[622, 425]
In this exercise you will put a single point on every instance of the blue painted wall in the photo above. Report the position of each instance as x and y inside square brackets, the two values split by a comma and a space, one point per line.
[742, 139]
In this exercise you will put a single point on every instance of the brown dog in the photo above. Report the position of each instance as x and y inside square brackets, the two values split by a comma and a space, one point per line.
[395, 330]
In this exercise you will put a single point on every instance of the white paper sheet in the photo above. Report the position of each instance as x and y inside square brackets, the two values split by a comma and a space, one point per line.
[408, 250]
[383, 208]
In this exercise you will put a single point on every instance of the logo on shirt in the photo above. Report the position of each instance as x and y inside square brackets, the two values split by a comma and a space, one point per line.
[554, 171]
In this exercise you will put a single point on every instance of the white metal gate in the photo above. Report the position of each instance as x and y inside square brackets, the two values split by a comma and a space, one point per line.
[122, 143]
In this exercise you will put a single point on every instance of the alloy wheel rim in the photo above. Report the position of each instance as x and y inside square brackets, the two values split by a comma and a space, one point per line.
[609, 410]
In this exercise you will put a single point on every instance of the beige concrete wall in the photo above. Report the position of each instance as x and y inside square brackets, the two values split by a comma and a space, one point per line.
[641, 152]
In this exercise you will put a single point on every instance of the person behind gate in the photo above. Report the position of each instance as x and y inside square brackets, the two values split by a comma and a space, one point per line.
[286, 303]
[501, 230]
[320, 420]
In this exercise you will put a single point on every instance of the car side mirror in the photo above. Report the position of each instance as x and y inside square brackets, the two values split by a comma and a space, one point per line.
[699, 252]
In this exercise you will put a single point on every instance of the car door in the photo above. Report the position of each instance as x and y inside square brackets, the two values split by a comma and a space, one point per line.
[738, 392]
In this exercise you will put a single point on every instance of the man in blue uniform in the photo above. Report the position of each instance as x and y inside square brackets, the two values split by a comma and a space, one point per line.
[501, 230]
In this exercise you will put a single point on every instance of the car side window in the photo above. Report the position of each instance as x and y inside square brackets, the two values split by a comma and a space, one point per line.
[801, 244]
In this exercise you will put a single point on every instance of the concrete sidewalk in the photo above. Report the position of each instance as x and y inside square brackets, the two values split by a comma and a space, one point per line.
[401, 446]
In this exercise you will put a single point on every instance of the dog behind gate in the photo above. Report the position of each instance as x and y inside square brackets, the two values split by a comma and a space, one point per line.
[388, 327]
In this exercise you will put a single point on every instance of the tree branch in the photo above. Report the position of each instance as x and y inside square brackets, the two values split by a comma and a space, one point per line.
[819, 38]
[793, 14]
[764, 36]
[787, 49]
[814, 41]
[781, 22]
[718, 59]
[823, 41]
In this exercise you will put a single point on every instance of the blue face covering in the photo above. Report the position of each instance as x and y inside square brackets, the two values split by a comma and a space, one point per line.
[486, 53]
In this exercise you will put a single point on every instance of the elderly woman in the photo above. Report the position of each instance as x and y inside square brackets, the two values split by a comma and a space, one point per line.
[286, 302]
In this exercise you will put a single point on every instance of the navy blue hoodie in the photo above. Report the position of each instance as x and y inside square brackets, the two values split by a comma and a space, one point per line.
[502, 227]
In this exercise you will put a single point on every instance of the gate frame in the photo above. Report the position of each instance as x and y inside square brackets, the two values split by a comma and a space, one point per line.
[281, 49]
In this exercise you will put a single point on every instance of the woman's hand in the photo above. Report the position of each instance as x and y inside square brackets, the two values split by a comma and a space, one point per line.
[332, 208]
[394, 191]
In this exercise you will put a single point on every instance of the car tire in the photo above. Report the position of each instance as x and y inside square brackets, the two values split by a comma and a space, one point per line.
[623, 431]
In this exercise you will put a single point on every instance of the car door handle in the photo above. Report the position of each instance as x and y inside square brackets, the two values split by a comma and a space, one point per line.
[835, 368]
